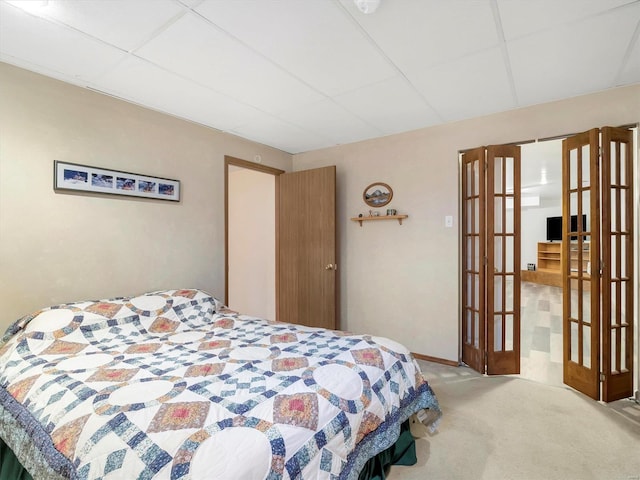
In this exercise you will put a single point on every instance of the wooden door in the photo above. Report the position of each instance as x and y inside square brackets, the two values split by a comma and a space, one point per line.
[473, 258]
[306, 248]
[491, 259]
[597, 264]
[617, 263]
[503, 259]
[580, 278]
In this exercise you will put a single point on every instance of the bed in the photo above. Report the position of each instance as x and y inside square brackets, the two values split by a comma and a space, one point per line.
[173, 385]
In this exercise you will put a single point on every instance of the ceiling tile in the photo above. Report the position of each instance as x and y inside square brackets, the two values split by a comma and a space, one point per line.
[197, 50]
[141, 82]
[392, 106]
[313, 39]
[524, 17]
[53, 47]
[418, 35]
[631, 70]
[330, 120]
[122, 23]
[472, 86]
[571, 60]
[280, 134]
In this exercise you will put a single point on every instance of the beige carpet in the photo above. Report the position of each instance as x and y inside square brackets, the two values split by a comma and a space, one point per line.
[508, 427]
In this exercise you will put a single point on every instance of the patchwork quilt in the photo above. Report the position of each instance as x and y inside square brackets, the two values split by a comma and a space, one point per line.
[173, 385]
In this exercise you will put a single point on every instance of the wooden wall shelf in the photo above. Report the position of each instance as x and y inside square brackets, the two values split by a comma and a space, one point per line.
[381, 217]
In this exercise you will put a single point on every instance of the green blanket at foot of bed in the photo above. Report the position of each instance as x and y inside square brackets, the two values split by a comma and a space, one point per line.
[403, 452]
[10, 468]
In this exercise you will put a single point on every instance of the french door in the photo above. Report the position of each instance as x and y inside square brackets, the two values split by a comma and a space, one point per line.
[597, 263]
[491, 259]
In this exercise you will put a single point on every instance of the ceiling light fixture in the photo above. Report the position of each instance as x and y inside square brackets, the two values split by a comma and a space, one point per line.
[367, 6]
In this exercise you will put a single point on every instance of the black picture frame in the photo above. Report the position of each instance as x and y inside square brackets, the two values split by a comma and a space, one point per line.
[84, 178]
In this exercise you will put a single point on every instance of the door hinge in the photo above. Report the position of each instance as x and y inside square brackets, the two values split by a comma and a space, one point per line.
[602, 377]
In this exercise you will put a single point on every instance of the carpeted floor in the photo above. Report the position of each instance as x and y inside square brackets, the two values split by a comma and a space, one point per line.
[508, 427]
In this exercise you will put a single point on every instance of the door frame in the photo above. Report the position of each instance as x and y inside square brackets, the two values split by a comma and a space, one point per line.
[237, 162]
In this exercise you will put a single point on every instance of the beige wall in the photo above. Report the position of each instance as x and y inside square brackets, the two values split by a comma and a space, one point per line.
[402, 281]
[59, 247]
[398, 281]
[252, 242]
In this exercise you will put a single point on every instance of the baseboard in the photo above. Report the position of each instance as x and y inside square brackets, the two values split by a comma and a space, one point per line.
[428, 358]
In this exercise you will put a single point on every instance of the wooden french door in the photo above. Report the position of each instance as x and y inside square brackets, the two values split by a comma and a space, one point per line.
[581, 256]
[617, 270]
[491, 259]
[597, 263]
[306, 257]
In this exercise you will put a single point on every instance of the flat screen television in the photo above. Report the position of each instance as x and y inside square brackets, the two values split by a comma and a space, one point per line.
[554, 227]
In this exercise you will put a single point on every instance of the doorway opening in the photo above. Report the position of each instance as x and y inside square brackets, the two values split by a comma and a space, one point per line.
[250, 204]
[281, 260]
[541, 285]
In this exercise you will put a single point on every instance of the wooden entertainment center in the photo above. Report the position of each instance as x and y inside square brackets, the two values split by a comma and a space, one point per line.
[548, 270]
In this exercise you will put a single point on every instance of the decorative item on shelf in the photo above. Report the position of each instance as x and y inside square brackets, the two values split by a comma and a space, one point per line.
[391, 211]
[377, 194]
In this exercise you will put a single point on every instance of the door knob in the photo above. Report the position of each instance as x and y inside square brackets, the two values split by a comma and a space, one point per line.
[331, 266]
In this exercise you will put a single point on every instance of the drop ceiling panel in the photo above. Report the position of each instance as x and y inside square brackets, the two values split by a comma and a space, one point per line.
[418, 35]
[330, 120]
[141, 82]
[472, 86]
[197, 50]
[313, 39]
[280, 134]
[578, 58]
[631, 70]
[306, 74]
[523, 17]
[123, 23]
[52, 47]
[391, 106]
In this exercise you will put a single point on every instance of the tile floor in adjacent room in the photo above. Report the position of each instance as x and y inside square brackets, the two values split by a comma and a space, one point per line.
[541, 333]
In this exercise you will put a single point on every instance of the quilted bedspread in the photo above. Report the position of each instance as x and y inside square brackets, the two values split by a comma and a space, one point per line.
[171, 384]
